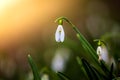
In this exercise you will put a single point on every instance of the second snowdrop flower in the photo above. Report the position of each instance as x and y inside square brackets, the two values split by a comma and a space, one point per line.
[103, 53]
[59, 34]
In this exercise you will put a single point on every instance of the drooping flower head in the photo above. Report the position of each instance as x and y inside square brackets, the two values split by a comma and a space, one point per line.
[103, 54]
[60, 34]
[102, 51]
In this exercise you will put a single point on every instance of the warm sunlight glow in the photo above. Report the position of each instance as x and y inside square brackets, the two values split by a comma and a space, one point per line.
[5, 3]
[20, 20]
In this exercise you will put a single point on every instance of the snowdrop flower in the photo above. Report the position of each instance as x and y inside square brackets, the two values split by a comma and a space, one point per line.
[60, 34]
[103, 54]
[60, 60]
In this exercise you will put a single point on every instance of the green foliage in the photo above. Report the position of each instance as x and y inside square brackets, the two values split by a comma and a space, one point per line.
[62, 76]
[34, 68]
[93, 72]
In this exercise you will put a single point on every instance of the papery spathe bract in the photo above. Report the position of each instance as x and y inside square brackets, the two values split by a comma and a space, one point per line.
[59, 34]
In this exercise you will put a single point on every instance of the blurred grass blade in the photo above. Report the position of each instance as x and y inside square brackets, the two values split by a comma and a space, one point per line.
[104, 67]
[81, 66]
[62, 76]
[111, 71]
[111, 68]
[87, 70]
[34, 68]
[92, 73]
[103, 77]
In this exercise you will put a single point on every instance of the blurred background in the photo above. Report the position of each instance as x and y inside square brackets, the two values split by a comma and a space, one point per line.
[28, 27]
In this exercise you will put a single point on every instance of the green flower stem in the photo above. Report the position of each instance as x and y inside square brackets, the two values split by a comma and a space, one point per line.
[82, 39]
[34, 68]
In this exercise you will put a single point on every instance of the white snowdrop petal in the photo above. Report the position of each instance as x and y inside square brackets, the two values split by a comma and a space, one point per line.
[59, 35]
[99, 50]
[104, 55]
[62, 36]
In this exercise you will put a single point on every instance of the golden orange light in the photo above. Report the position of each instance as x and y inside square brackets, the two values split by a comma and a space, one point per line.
[20, 20]
[5, 4]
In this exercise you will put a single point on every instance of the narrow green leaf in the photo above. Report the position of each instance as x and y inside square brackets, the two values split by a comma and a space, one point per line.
[91, 71]
[111, 71]
[34, 68]
[86, 45]
[103, 77]
[111, 68]
[104, 67]
[81, 66]
[62, 76]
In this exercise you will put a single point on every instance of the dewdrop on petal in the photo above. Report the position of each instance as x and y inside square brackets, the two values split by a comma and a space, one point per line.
[59, 34]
